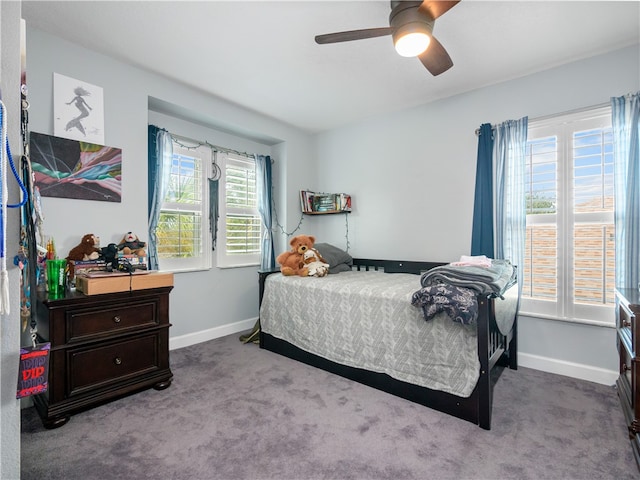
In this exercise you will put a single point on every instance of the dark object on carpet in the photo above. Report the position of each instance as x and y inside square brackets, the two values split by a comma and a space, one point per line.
[235, 411]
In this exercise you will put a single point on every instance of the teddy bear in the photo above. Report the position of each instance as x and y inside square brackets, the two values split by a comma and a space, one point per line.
[292, 261]
[318, 266]
[87, 249]
[131, 245]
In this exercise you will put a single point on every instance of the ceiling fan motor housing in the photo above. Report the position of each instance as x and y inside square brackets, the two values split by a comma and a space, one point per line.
[407, 17]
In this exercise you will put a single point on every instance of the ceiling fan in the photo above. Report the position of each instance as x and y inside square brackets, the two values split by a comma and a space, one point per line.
[411, 26]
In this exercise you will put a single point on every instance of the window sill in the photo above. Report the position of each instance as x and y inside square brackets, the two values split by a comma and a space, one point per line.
[225, 267]
[185, 270]
[581, 321]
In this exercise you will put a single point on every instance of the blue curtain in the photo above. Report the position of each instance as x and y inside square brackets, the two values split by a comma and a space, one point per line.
[482, 232]
[625, 120]
[511, 216]
[263, 190]
[268, 257]
[499, 217]
[160, 155]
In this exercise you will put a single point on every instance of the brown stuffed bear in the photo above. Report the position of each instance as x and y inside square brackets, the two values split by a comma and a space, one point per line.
[87, 249]
[292, 262]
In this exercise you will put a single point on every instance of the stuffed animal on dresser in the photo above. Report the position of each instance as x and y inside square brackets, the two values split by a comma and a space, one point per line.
[292, 261]
[109, 255]
[87, 249]
[317, 265]
[131, 245]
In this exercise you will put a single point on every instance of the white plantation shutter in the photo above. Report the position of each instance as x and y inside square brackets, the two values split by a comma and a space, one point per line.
[183, 243]
[240, 224]
[593, 239]
[569, 255]
[541, 247]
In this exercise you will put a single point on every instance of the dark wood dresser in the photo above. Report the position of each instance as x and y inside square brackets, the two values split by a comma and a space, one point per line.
[627, 323]
[102, 347]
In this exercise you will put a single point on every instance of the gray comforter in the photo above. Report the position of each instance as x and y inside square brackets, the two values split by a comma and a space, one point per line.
[366, 320]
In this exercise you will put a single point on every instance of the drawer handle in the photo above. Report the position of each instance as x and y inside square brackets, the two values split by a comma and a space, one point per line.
[117, 319]
[117, 361]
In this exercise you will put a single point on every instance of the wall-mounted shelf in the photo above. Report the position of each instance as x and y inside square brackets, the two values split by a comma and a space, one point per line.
[319, 203]
[329, 212]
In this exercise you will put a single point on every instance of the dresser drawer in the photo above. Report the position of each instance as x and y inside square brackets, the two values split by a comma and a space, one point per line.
[96, 367]
[627, 324]
[88, 323]
[626, 381]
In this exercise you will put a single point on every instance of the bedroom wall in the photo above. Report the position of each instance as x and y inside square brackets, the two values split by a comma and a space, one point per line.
[204, 304]
[10, 323]
[415, 178]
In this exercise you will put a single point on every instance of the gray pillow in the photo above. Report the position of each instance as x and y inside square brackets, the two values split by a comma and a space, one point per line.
[338, 260]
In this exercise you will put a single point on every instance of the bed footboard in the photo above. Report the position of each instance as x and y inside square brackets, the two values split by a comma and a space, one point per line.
[494, 348]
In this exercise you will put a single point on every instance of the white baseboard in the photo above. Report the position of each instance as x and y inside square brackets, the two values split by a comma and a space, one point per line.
[568, 369]
[210, 334]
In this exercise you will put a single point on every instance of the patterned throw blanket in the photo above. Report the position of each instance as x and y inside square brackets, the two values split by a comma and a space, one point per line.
[453, 289]
[460, 304]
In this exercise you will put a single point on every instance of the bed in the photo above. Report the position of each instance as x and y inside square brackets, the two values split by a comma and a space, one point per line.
[361, 324]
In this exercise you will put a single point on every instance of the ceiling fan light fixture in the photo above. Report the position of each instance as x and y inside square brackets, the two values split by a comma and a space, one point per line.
[411, 28]
[411, 44]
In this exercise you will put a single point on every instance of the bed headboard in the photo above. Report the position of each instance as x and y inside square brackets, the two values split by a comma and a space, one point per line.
[394, 266]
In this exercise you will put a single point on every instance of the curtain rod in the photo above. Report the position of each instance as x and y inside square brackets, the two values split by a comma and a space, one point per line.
[216, 148]
[546, 117]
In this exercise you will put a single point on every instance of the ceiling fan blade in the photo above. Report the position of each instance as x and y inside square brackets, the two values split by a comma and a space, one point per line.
[436, 8]
[435, 58]
[353, 35]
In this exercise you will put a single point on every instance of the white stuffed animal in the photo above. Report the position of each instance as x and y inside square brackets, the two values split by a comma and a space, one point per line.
[315, 263]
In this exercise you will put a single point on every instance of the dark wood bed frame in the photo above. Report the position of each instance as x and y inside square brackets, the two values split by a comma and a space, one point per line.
[493, 349]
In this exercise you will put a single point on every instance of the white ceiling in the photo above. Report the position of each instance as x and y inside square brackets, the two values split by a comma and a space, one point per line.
[262, 54]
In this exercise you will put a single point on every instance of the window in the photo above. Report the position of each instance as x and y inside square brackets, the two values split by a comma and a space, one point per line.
[184, 242]
[239, 225]
[569, 252]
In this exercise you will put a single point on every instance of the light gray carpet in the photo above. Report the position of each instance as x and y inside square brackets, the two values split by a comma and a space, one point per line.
[237, 412]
